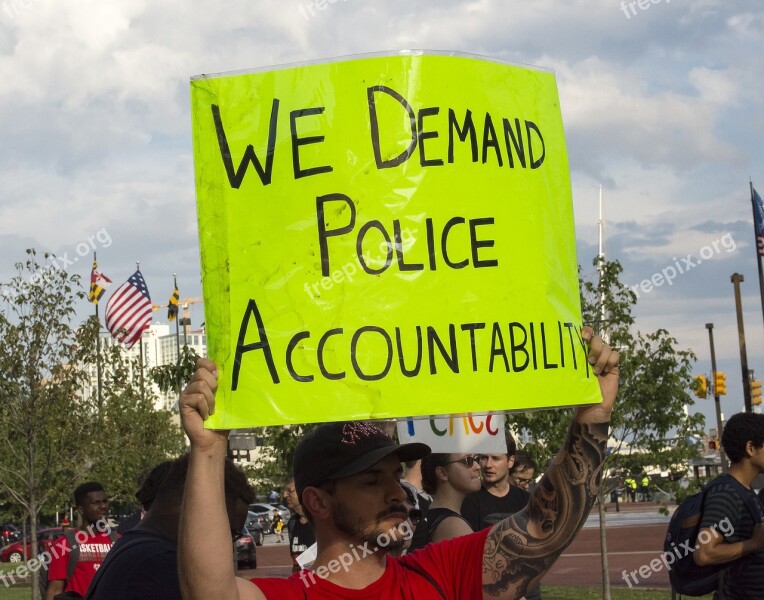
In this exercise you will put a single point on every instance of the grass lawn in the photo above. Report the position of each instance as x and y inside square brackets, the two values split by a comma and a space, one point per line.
[559, 592]
[18, 593]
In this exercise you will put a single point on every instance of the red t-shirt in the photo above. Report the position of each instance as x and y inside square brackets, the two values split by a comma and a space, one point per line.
[454, 566]
[93, 549]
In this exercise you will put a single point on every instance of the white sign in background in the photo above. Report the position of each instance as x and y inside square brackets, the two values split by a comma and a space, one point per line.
[457, 434]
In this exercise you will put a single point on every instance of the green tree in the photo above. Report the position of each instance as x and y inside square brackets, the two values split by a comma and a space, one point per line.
[649, 427]
[274, 464]
[46, 425]
[175, 376]
[134, 436]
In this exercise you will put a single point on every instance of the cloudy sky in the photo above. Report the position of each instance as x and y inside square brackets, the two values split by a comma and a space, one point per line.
[662, 107]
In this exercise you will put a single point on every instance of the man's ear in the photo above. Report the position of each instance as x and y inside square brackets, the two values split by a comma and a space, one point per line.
[317, 502]
[510, 461]
[750, 449]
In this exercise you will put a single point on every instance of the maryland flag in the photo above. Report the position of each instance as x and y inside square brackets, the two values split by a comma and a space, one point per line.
[98, 284]
[172, 305]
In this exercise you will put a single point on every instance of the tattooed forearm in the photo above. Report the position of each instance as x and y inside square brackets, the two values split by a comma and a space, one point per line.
[524, 546]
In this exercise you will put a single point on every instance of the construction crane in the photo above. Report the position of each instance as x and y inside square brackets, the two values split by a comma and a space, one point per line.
[186, 304]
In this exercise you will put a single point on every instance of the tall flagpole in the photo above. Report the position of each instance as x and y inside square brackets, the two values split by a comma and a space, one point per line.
[98, 355]
[756, 245]
[177, 319]
[601, 257]
[140, 341]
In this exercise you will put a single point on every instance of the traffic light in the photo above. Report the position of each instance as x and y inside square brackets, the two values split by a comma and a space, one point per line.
[720, 385]
[713, 444]
[700, 386]
[755, 392]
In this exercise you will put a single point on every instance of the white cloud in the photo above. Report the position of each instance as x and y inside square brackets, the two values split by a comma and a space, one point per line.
[662, 108]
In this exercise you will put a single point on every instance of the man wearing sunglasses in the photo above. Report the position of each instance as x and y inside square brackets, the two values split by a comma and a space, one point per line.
[347, 480]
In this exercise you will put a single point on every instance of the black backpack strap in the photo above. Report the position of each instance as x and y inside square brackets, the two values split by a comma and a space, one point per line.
[427, 576]
[74, 552]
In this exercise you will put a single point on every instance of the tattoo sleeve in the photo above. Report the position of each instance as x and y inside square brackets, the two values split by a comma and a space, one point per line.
[524, 546]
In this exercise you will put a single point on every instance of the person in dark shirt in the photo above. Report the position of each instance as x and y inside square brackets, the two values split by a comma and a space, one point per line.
[497, 498]
[143, 564]
[299, 530]
[523, 470]
[733, 535]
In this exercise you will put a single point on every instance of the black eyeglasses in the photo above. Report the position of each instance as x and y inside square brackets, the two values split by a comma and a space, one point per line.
[522, 480]
[468, 461]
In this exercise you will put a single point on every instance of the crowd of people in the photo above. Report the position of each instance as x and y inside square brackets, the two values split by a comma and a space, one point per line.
[452, 525]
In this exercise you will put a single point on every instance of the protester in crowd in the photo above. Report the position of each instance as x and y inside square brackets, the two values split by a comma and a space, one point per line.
[497, 498]
[143, 565]
[347, 478]
[412, 480]
[148, 482]
[299, 530]
[522, 471]
[743, 442]
[93, 540]
[448, 478]
[277, 525]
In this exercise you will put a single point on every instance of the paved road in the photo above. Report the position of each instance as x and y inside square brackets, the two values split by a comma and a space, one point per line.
[629, 547]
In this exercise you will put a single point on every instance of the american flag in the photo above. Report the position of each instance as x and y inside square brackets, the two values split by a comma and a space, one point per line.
[129, 311]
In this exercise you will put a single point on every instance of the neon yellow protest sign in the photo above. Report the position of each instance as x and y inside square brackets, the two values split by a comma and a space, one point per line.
[387, 236]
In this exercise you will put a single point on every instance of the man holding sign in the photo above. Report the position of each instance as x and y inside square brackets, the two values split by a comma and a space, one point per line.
[358, 511]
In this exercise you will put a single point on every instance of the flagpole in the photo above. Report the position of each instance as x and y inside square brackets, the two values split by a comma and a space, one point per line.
[177, 319]
[98, 355]
[756, 245]
[140, 341]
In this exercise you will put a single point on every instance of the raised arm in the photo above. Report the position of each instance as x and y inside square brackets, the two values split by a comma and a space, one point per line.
[205, 546]
[522, 548]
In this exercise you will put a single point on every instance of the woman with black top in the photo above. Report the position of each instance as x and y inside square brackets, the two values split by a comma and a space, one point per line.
[448, 478]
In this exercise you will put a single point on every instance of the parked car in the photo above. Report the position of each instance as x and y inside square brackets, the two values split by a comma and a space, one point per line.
[45, 538]
[245, 550]
[256, 524]
[262, 508]
[9, 533]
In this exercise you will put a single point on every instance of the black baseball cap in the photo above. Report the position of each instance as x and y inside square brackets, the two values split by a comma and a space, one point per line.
[336, 450]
